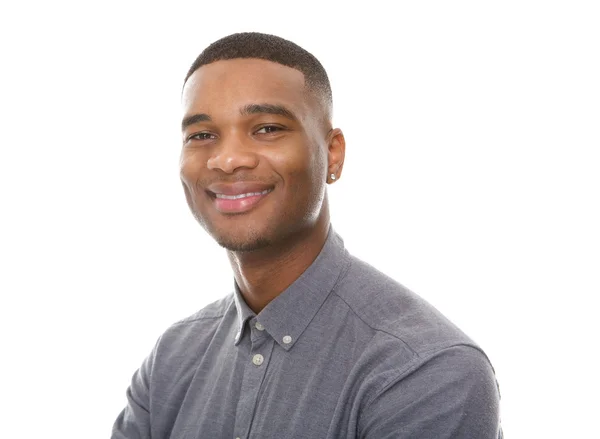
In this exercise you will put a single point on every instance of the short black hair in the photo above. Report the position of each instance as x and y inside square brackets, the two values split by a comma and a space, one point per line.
[270, 48]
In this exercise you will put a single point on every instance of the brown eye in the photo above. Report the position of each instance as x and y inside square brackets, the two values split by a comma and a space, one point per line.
[268, 129]
[202, 136]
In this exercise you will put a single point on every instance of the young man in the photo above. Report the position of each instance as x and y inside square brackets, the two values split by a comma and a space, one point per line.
[312, 343]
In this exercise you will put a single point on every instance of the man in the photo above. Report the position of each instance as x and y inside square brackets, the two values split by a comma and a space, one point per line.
[312, 343]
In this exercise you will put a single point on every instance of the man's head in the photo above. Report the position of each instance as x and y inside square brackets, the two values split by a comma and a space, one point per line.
[258, 146]
[275, 49]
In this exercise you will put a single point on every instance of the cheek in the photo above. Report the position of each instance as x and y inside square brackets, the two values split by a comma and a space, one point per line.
[190, 173]
[302, 168]
[189, 170]
[293, 164]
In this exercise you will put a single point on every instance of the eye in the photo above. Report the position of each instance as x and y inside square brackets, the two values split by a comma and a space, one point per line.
[268, 129]
[202, 136]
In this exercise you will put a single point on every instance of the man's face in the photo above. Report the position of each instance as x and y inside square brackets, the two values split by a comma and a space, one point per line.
[254, 156]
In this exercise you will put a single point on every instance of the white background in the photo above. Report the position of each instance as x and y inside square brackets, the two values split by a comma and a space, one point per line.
[471, 177]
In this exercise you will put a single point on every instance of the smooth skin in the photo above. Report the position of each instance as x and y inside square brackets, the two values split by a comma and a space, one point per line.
[255, 122]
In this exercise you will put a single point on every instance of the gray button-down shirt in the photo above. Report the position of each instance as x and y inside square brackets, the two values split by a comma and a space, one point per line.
[344, 352]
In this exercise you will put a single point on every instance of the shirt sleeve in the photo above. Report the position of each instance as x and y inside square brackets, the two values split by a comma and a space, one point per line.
[453, 395]
[134, 421]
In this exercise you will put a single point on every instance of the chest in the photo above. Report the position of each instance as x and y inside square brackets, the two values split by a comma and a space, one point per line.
[258, 389]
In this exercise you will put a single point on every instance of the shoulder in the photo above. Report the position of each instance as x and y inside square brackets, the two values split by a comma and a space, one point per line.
[200, 325]
[452, 390]
[214, 310]
[395, 311]
[427, 367]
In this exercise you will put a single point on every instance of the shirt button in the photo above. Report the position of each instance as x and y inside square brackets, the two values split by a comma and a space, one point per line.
[287, 339]
[259, 326]
[258, 359]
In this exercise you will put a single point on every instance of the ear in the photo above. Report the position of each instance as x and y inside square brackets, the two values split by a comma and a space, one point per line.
[335, 154]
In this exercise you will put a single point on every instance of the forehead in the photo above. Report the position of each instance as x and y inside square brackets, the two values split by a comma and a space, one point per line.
[225, 86]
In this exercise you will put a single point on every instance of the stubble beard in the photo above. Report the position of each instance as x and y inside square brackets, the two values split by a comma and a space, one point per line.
[251, 240]
[249, 244]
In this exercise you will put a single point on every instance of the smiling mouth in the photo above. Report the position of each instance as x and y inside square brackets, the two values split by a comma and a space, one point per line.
[238, 203]
[240, 196]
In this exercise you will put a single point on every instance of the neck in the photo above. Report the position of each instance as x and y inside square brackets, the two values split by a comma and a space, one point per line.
[263, 274]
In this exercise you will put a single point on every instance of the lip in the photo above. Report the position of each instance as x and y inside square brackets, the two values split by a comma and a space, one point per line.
[238, 205]
[237, 188]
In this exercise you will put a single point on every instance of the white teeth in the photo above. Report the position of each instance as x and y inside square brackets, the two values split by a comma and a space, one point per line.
[249, 194]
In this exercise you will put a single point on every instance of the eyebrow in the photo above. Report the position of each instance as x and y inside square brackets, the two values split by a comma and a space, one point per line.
[194, 118]
[278, 110]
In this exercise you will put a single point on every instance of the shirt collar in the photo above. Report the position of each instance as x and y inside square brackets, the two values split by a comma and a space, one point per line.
[244, 313]
[286, 317]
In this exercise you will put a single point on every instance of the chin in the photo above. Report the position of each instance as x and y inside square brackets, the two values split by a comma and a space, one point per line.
[236, 245]
[241, 241]
[247, 233]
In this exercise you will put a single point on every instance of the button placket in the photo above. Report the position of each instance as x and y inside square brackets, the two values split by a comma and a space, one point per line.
[254, 372]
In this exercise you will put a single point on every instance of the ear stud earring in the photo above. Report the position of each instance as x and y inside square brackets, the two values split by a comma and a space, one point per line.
[333, 176]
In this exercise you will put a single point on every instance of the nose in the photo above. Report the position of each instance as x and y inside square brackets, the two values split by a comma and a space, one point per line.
[232, 153]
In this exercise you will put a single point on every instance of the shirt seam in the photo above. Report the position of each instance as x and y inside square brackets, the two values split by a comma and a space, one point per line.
[415, 353]
[411, 367]
[370, 325]
[196, 319]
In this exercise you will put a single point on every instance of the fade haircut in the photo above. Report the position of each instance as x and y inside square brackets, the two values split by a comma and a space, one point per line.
[270, 48]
